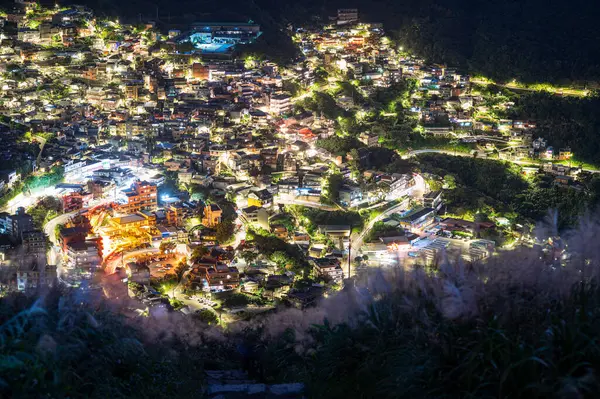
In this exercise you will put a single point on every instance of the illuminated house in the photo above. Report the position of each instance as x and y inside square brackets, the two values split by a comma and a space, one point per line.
[222, 277]
[140, 197]
[83, 254]
[138, 272]
[99, 188]
[176, 214]
[134, 221]
[418, 219]
[280, 104]
[125, 232]
[72, 202]
[260, 198]
[212, 215]
[72, 234]
[329, 268]
[255, 215]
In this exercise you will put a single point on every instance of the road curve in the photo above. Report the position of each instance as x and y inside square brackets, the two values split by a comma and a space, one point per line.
[462, 154]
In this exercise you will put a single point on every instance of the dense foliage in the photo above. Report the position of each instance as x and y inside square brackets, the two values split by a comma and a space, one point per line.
[339, 145]
[286, 256]
[449, 337]
[489, 185]
[565, 122]
[59, 347]
[311, 218]
[224, 230]
[503, 39]
[45, 210]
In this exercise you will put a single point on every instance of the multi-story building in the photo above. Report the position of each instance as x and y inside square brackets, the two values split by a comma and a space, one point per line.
[21, 222]
[138, 272]
[255, 215]
[9, 177]
[433, 200]
[260, 198]
[132, 91]
[369, 139]
[72, 202]
[133, 222]
[329, 268]
[83, 254]
[35, 275]
[280, 104]
[418, 219]
[142, 196]
[34, 242]
[212, 215]
[116, 175]
[99, 188]
[177, 213]
[222, 277]
[347, 15]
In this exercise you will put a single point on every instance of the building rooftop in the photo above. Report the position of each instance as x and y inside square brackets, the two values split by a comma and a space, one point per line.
[418, 214]
[130, 219]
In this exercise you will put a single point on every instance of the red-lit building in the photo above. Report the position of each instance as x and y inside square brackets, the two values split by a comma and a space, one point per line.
[74, 201]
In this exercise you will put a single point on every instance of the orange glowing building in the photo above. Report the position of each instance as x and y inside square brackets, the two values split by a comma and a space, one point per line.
[142, 196]
[212, 215]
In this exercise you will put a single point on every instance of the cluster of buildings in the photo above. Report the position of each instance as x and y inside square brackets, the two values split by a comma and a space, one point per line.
[121, 110]
[141, 123]
[24, 265]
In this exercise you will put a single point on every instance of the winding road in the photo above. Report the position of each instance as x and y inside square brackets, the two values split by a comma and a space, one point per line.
[463, 154]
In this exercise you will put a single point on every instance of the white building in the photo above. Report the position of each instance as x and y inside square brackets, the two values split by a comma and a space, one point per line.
[347, 15]
[280, 104]
[83, 255]
[256, 216]
[329, 268]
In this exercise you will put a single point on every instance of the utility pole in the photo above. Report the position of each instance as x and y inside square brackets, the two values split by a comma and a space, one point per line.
[350, 253]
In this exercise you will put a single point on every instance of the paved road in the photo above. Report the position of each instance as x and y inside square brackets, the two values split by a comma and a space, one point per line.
[357, 241]
[463, 154]
[309, 204]
[54, 255]
[25, 201]
[558, 91]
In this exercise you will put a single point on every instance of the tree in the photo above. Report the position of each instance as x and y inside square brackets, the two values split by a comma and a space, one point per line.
[207, 316]
[167, 247]
[449, 182]
[331, 187]
[339, 145]
[249, 256]
[45, 210]
[225, 230]
[185, 47]
[180, 270]
[354, 162]
[198, 253]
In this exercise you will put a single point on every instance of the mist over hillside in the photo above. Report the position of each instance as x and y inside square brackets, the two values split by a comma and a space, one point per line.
[522, 324]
